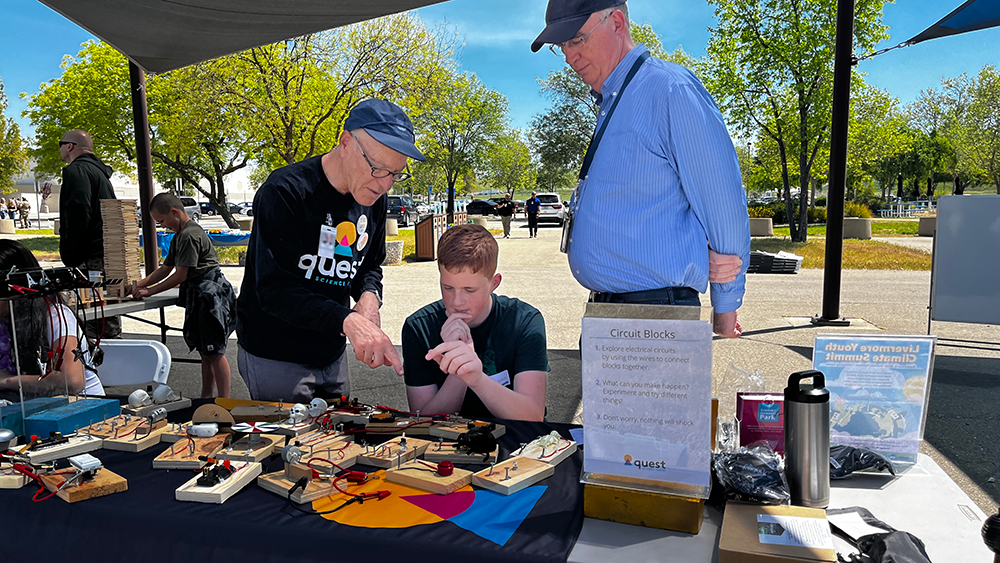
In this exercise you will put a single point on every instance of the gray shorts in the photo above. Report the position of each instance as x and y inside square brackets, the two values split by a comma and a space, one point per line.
[273, 380]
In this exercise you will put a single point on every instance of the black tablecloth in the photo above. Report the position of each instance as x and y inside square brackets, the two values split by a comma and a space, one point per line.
[146, 525]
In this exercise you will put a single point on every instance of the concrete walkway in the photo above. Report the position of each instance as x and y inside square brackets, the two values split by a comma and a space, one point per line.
[962, 425]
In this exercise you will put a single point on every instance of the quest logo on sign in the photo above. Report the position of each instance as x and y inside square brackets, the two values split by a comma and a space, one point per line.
[642, 464]
[334, 258]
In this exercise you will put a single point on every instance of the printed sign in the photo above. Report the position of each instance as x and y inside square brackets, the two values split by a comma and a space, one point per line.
[878, 391]
[647, 388]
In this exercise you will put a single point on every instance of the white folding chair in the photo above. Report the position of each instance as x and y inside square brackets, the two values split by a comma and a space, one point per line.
[134, 362]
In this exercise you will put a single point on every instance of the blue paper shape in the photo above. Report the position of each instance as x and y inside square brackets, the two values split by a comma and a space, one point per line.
[577, 434]
[496, 517]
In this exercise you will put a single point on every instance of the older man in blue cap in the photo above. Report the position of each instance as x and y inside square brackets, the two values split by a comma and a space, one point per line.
[661, 176]
[319, 241]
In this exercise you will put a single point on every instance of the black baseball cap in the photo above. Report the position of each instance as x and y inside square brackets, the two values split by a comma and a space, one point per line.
[387, 124]
[564, 18]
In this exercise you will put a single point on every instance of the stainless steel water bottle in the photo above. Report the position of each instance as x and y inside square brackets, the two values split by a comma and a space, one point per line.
[807, 439]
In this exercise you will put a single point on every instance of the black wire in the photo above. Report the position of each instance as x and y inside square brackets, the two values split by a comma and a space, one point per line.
[303, 510]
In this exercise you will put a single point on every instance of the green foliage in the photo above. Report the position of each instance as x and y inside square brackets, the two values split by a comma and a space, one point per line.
[459, 128]
[91, 94]
[770, 67]
[817, 215]
[508, 166]
[821, 201]
[852, 209]
[13, 154]
[760, 212]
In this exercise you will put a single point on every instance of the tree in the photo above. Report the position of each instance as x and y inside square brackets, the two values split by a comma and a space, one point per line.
[982, 126]
[508, 166]
[460, 127]
[770, 67]
[878, 134]
[13, 155]
[192, 132]
[297, 93]
[195, 135]
[91, 94]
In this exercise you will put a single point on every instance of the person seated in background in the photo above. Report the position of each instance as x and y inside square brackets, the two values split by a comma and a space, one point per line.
[51, 348]
[474, 352]
[208, 299]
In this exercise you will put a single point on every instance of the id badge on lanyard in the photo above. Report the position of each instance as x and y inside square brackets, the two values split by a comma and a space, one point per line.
[567, 230]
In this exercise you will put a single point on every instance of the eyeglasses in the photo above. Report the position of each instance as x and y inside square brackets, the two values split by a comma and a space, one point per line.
[61, 143]
[382, 172]
[559, 49]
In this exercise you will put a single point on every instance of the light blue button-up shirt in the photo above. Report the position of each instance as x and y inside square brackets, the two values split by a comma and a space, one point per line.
[664, 186]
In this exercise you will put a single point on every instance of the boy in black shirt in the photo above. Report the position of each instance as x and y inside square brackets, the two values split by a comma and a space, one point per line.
[207, 297]
[473, 352]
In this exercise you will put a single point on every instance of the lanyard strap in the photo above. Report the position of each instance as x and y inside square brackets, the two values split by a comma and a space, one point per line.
[592, 149]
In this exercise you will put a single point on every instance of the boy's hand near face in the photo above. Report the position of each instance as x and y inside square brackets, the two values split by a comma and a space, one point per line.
[456, 329]
[459, 359]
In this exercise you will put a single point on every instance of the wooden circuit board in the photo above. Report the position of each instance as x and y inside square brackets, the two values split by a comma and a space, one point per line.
[260, 413]
[448, 451]
[388, 454]
[174, 432]
[219, 493]
[279, 484]
[75, 445]
[169, 407]
[504, 479]
[294, 430]
[422, 475]
[180, 456]
[551, 455]
[451, 430]
[321, 439]
[126, 433]
[104, 483]
[345, 455]
[412, 426]
[244, 450]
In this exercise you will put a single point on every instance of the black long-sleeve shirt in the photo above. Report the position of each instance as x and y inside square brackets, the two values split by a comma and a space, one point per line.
[311, 250]
[86, 181]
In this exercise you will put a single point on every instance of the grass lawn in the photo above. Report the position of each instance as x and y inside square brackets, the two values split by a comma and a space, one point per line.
[858, 254]
[879, 229]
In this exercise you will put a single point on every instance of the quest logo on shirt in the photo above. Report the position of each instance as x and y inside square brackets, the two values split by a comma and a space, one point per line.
[334, 256]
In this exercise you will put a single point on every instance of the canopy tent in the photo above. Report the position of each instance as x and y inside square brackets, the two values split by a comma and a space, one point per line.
[161, 35]
[971, 16]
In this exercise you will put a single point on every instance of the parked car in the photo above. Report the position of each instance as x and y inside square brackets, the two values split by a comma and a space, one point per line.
[402, 209]
[423, 209]
[481, 207]
[246, 208]
[192, 208]
[552, 209]
[209, 209]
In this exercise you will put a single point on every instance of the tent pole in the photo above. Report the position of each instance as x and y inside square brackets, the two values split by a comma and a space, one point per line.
[843, 61]
[144, 162]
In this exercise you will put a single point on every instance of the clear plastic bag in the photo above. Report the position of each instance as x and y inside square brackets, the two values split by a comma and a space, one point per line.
[752, 475]
[734, 380]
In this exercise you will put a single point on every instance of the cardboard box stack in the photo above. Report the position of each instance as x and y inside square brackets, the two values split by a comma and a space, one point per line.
[122, 254]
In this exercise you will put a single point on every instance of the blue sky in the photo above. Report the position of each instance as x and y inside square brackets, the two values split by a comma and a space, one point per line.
[33, 40]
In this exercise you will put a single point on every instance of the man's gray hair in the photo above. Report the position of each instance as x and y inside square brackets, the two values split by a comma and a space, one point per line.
[609, 11]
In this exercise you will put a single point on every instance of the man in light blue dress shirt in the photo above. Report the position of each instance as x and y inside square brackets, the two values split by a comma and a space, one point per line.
[664, 179]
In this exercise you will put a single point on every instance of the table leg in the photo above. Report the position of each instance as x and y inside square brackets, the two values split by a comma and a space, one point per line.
[163, 325]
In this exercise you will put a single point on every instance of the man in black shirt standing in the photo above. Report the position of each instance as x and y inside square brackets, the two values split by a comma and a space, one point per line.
[318, 241]
[506, 210]
[86, 181]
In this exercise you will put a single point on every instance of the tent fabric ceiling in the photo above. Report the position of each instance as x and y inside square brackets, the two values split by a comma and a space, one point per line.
[161, 35]
[970, 16]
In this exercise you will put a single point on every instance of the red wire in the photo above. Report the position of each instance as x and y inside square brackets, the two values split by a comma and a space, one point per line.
[393, 431]
[568, 444]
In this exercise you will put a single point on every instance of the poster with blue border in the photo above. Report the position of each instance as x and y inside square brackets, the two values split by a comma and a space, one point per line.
[879, 387]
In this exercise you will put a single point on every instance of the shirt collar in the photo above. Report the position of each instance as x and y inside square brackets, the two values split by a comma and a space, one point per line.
[613, 83]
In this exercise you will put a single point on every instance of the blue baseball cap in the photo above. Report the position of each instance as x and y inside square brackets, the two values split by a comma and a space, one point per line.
[387, 124]
[564, 18]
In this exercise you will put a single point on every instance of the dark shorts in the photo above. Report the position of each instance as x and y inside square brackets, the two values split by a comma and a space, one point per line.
[203, 332]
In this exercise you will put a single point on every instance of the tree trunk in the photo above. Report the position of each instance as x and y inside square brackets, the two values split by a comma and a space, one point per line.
[930, 187]
[959, 188]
